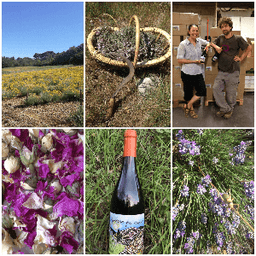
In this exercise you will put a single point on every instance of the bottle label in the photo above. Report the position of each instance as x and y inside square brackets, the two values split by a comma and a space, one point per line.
[126, 234]
[202, 59]
[214, 58]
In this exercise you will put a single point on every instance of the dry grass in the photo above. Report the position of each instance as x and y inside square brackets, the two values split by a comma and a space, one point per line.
[16, 114]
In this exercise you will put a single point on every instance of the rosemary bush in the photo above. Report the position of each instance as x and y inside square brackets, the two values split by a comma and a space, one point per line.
[123, 42]
[206, 164]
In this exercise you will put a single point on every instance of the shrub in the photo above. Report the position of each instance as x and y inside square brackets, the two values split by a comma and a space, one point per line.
[78, 117]
[209, 168]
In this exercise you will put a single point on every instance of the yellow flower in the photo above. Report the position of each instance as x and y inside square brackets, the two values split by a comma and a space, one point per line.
[58, 81]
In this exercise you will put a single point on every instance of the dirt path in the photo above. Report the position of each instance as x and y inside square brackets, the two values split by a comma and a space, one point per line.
[16, 114]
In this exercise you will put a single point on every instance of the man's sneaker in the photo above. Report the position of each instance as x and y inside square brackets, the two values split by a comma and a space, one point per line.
[220, 114]
[228, 114]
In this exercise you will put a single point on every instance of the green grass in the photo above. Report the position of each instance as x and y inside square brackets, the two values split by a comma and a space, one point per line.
[158, 116]
[146, 11]
[104, 149]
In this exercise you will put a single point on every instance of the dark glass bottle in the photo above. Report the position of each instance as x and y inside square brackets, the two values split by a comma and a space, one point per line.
[215, 57]
[203, 56]
[127, 205]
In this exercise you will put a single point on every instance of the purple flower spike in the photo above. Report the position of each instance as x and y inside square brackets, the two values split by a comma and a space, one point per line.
[215, 160]
[180, 231]
[204, 218]
[201, 189]
[249, 189]
[189, 245]
[180, 135]
[206, 180]
[185, 192]
[196, 235]
[240, 153]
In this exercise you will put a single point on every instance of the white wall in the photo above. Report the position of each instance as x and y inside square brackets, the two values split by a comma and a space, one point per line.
[236, 13]
[245, 24]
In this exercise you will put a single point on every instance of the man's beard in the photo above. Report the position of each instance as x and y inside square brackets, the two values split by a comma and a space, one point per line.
[226, 32]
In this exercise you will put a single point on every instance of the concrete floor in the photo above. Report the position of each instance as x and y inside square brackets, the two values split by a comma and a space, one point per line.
[243, 116]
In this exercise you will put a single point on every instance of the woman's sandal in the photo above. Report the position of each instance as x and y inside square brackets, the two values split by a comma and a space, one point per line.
[186, 110]
[193, 113]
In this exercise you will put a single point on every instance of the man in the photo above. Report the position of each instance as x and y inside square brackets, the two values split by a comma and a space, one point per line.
[228, 45]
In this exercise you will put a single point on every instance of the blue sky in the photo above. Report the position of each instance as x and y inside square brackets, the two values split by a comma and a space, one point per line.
[37, 27]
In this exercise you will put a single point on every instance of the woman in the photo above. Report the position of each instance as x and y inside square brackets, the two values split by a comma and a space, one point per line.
[189, 53]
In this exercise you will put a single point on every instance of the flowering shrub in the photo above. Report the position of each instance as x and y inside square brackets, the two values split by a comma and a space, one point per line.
[62, 84]
[43, 191]
[213, 191]
[123, 42]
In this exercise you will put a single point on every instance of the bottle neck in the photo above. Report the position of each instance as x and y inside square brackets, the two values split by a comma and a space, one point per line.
[130, 144]
[128, 189]
[129, 164]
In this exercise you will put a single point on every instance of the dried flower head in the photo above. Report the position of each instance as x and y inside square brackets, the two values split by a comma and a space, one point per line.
[7, 243]
[57, 186]
[67, 224]
[6, 136]
[34, 132]
[47, 143]
[123, 42]
[34, 202]
[12, 164]
[36, 198]
[5, 150]
[70, 132]
[43, 235]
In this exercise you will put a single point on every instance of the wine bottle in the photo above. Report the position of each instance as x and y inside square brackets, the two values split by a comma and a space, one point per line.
[126, 225]
[215, 57]
[203, 56]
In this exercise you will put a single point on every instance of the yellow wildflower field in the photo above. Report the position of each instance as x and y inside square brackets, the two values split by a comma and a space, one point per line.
[41, 86]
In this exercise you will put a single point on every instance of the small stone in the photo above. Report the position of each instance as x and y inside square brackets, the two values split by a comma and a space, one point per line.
[145, 85]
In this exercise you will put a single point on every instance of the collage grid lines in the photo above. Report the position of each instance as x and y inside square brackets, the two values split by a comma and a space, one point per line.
[105, 166]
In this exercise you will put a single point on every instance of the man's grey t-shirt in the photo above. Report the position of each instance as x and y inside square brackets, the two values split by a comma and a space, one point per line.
[230, 48]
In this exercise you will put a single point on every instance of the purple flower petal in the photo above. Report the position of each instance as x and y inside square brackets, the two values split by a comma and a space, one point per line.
[66, 206]
[69, 179]
[41, 134]
[43, 170]
[29, 241]
[68, 242]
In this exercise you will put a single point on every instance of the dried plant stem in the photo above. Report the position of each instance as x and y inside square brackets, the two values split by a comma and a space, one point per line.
[180, 194]
[242, 218]
[124, 82]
